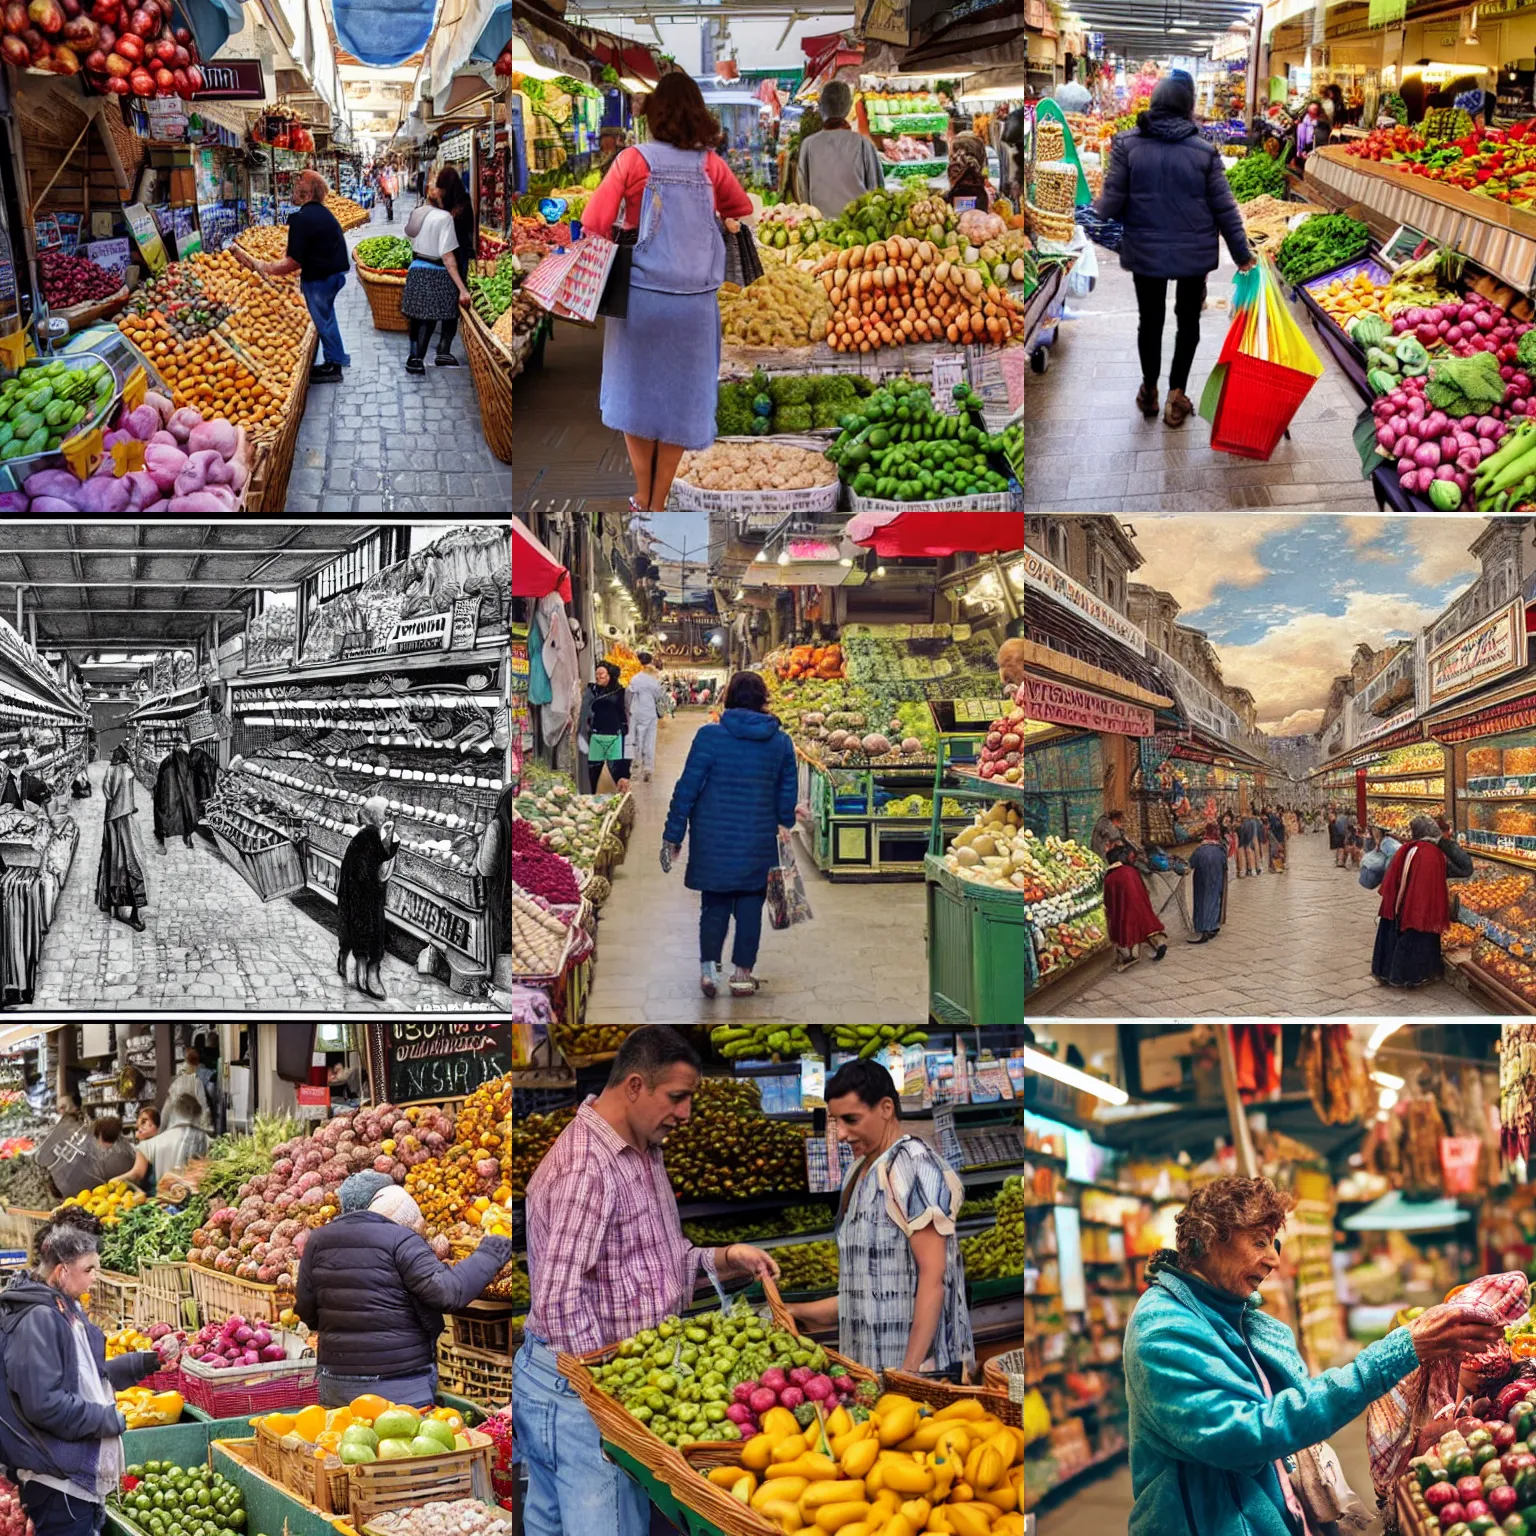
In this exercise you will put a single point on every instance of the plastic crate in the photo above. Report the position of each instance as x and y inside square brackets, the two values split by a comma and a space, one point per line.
[486, 1377]
[486, 1327]
[287, 1383]
[975, 936]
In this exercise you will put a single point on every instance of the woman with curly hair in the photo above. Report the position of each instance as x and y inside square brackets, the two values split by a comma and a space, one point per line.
[1220, 1399]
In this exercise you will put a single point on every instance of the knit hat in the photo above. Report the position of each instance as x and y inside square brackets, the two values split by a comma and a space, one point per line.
[358, 1191]
[393, 1202]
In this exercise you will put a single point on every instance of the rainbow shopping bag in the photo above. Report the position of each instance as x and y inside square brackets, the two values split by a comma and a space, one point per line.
[570, 283]
[1264, 371]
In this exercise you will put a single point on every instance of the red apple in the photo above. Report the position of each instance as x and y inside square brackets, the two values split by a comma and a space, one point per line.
[117, 85]
[1502, 1500]
[143, 82]
[143, 23]
[164, 50]
[1437, 1495]
[65, 60]
[1503, 1435]
[1469, 1488]
[1475, 1509]
[194, 78]
[131, 47]
[183, 85]
[96, 62]
[14, 51]
[82, 33]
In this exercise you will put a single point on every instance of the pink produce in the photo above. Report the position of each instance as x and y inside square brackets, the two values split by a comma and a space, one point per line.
[774, 1379]
[738, 1412]
[762, 1399]
[818, 1388]
[743, 1392]
[791, 1397]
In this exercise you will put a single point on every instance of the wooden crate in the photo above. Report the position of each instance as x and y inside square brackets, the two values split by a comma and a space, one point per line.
[223, 1296]
[165, 1296]
[298, 1468]
[382, 1485]
[484, 1378]
[112, 1300]
[485, 1326]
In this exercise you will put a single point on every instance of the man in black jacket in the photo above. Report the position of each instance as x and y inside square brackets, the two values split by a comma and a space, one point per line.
[377, 1293]
[60, 1424]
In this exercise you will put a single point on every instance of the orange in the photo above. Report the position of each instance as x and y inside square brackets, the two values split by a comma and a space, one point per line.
[367, 1408]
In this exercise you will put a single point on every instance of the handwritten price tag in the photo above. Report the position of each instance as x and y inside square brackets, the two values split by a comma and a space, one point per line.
[83, 452]
[134, 390]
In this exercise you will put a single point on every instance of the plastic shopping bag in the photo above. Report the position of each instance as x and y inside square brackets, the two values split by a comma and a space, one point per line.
[1264, 371]
[787, 903]
[570, 283]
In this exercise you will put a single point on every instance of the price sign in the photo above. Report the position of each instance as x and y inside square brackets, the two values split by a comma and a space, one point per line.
[813, 1082]
[314, 1103]
[948, 370]
[83, 452]
[135, 388]
[110, 255]
[127, 457]
[978, 711]
[444, 1059]
[466, 622]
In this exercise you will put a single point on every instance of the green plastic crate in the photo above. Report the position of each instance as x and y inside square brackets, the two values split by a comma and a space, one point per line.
[185, 1444]
[1003, 1285]
[976, 945]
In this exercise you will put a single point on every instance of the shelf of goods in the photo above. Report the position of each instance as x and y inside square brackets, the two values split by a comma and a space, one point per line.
[160, 722]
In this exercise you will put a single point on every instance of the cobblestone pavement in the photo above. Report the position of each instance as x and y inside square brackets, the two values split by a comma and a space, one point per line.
[209, 942]
[861, 960]
[382, 441]
[1294, 944]
[1135, 465]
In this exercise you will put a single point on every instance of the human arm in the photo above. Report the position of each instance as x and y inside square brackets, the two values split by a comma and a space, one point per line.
[130, 1369]
[788, 784]
[686, 792]
[491, 854]
[602, 210]
[928, 1245]
[391, 848]
[747, 1260]
[1115, 193]
[140, 1170]
[444, 1288]
[731, 200]
[450, 261]
[279, 268]
[1458, 862]
[1229, 217]
[42, 1386]
[815, 1314]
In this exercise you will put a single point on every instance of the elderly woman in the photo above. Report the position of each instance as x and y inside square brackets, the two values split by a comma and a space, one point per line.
[1415, 910]
[376, 1292]
[365, 870]
[1220, 1399]
[61, 1428]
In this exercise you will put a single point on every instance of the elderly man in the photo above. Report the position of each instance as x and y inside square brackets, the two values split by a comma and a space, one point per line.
[317, 251]
[376, 1293]
[838, 165]
[365, 870]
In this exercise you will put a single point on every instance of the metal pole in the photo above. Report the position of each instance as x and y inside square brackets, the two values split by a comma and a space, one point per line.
[1242, 1138]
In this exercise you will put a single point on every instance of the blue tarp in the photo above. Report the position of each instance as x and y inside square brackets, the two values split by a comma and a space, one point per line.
[383, 32]
[211, 22]
[496, 36]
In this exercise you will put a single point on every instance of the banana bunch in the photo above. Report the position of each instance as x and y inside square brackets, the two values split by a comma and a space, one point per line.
[903, 1470]
[750, 1042]
[866, 1039]
[999, 1250]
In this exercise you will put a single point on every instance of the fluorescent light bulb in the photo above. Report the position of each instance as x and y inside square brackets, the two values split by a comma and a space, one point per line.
[1048, 1066]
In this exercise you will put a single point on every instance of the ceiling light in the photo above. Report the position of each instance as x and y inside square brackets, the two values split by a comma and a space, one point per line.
[1048, 1066]
[845, 562]
[1379, 1036]
[761, 557]
[784, 555]
[1387, 1080]
[879, 570]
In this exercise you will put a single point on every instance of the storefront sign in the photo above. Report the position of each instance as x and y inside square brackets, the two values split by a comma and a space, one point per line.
[167, 119]
[1491, 648]
[151, 247]
[1055, 583]
[442, 1059]
[314, 1103]
[428, 633]
[110, 255]
[466, 622]
[1078, 706]
[1386, 727]
[232, 80]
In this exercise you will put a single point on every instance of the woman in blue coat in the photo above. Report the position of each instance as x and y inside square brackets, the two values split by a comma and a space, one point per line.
[737, 790]
[1165, 184]
[1220, 1398]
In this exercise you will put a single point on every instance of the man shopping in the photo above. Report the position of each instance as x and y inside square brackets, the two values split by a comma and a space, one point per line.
[606, 1258]
[646, 702]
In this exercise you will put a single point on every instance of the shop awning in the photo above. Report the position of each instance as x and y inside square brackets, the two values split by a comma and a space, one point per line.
[916, 533]
[384, 32]
[535, 571]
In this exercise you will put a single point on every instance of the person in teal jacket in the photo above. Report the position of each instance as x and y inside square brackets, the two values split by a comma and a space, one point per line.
[1220, 1398]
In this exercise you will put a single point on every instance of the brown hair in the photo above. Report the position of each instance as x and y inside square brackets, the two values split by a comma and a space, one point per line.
[1219, 1209]
[108, 1128]
[675, 113]
[747, 690]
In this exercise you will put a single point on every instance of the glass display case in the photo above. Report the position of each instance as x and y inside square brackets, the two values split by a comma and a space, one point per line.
[1499, 810]
[1407, 782]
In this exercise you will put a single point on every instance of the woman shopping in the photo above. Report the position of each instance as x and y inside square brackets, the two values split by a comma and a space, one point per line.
[663, 198]
[737, 789]
[1165, 184]
[603, 726]
[1415, 910]
[1224, 1417]
[120, 869]
[442, 235]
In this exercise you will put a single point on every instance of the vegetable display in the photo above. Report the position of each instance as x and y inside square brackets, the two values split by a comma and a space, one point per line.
[992, 850]
[151, 1234]
[782, 308]
[896, 446]
[1257, 176]
[758, 406]
[384, 253]
[47, 402]
[108, 1202]
[760, 1042]
[539, 871]
[729, 1150]
[1325, 241]
[754, 467]
[492, 292]
[71, 280]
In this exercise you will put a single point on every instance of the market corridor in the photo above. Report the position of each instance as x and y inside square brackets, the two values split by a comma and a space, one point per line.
[1135, 464]
[861, 960]
[1294, 944]
[209, 942]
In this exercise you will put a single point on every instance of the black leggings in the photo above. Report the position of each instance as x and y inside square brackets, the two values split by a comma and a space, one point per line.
[421, 335]
[1151, 307]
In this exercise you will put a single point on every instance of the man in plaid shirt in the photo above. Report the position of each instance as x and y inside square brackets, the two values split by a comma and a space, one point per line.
[606, 1258]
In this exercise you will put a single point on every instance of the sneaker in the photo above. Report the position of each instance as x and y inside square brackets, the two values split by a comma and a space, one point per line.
[446, 360]
[325, 373]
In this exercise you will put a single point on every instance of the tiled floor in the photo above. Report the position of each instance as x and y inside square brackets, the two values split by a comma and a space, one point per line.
[861, 960]
[209, 942]
[1088, 449]
[1297, 943]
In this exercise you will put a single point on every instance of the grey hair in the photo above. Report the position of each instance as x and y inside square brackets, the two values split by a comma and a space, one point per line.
[374, 809]
[62, 1244]
[183, 1110]
[1424, 826]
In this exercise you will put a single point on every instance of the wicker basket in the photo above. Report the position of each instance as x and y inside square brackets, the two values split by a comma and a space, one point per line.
[1005, 1373]
[272, 458]
[26, 1225]
[223, 1296]
[384, 290]
[940, 1394]
[493, 370]
[165, 1296]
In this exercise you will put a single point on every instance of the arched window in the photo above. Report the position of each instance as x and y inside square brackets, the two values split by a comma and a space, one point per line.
[1056, 543]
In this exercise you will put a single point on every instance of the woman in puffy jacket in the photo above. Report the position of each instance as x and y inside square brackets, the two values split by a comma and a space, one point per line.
[1166, 186]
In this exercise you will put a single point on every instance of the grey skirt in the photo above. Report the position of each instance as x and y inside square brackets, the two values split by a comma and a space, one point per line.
[661, 364]
[429, 293]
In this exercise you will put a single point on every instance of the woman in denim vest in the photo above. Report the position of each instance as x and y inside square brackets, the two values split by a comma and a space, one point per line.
[661, 362]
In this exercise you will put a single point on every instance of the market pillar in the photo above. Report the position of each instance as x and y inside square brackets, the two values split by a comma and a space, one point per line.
[1120, 760]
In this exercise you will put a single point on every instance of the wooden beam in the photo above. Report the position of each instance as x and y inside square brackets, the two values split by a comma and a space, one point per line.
[126, 581]
[1047, 660]
[127, 552]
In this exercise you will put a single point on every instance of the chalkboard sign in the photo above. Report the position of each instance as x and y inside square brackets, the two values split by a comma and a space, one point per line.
[444, 1059]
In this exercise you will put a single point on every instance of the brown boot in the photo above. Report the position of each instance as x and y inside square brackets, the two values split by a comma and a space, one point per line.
[1146, 401]
[1179, 408]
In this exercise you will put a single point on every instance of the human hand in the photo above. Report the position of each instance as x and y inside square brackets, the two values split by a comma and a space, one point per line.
[1249, 265]
[464, 298]
[387, 831]
[753, 1261]
[1443, 1331]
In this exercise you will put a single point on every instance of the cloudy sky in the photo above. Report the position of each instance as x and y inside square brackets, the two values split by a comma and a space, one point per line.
[1286, 598]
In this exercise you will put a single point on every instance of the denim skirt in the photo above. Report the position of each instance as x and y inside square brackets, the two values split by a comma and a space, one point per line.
[661, 364]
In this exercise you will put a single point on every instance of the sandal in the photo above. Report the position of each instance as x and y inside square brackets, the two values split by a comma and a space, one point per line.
[744, 986]
[1146, 401]
[637, 509]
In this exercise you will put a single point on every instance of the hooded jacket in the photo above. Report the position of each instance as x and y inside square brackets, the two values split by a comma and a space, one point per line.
[737, 789]
[1165, 184]
[45, 1424]
[376, 1293]
[1204, 1433]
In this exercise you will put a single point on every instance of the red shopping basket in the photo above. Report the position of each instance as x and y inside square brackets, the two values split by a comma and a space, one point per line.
[1257, 404]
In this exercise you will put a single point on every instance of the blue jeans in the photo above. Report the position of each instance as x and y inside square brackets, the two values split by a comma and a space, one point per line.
[320, 299]
[573, 1489]
[715, 913]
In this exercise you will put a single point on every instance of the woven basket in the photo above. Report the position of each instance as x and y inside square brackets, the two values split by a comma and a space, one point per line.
[112, 1300]
[940, 1394]
[223, 1296]
[384, 290]
[1005, 1373]
[493, 370]
[165, 1296]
